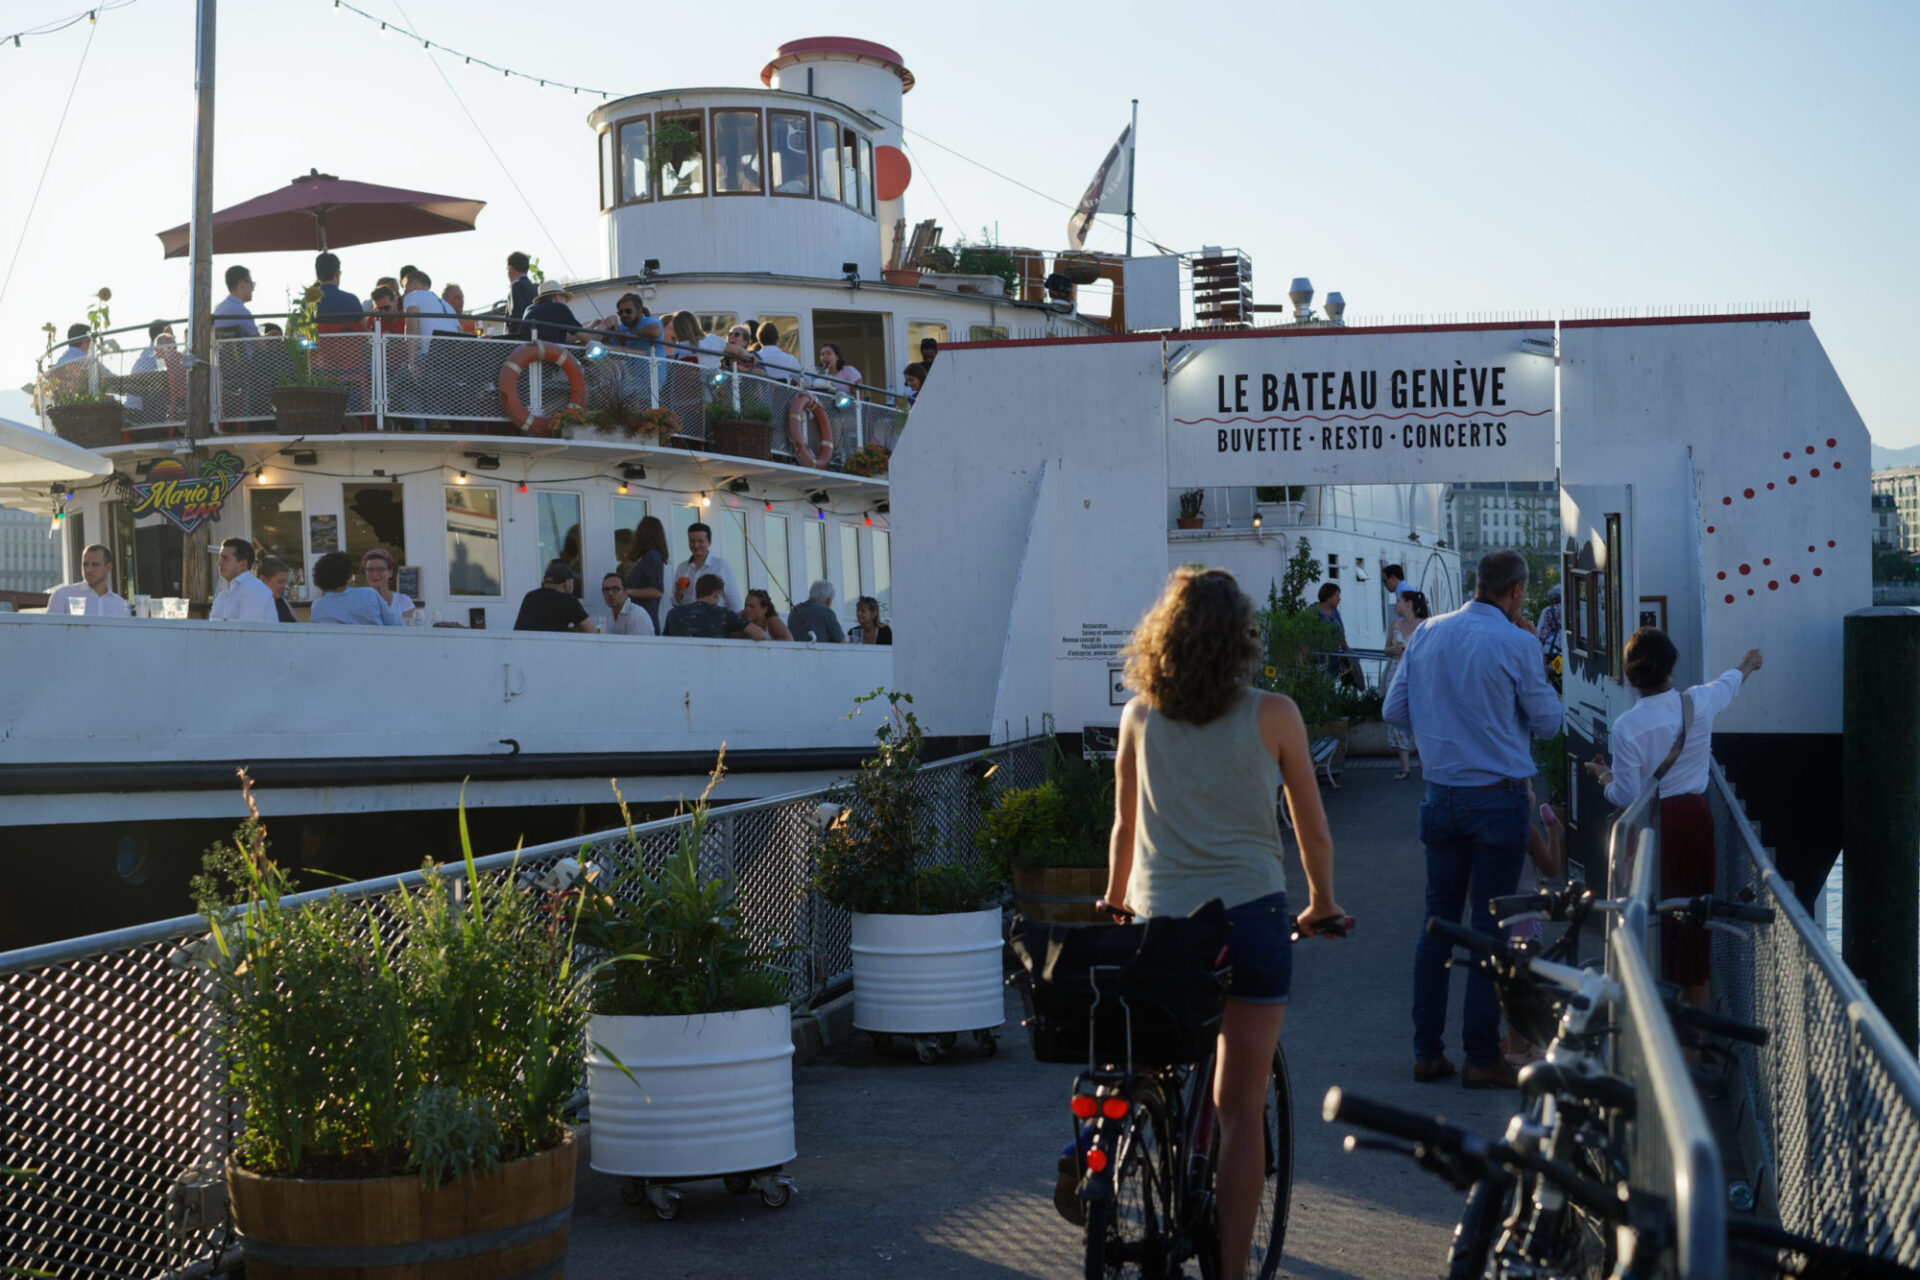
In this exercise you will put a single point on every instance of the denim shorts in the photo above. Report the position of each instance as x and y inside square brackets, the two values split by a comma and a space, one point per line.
[1261, 949]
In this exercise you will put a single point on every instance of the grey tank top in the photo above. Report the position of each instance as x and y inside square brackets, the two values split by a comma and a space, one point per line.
[1205, 822]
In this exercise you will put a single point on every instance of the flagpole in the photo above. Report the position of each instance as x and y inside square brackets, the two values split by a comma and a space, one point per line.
[1133, 131]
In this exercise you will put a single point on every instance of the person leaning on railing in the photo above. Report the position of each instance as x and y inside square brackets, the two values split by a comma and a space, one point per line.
[1642, 738]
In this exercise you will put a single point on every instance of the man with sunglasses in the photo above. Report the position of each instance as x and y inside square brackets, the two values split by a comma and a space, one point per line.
[631, 327]
[625, 618]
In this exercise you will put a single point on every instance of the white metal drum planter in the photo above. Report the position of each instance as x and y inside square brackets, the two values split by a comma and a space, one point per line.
[711, 1096]
[928, 979]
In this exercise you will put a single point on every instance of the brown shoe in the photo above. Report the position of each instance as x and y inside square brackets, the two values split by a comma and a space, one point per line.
[1499, 1074]
[1427, 1070]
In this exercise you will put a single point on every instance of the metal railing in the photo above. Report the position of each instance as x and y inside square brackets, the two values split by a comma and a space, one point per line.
[1829, 1108]
[112, 1114]
[451, 382]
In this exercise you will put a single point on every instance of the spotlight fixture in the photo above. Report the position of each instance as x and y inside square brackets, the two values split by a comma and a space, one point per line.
[486, 461]
[818, 497]
[884, 507]
[304, 341]
[649, 268]
[633, 471]
[1177, 360]
[842, 400]
[1537, 347]
[737, 485]
[306, 458]
[596, 351]
[719, 379]
[851, 270]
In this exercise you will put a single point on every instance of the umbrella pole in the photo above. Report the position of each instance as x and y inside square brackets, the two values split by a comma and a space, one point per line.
[193, 565]
[320, 230]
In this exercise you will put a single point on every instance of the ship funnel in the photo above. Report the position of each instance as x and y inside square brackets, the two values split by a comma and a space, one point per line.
[1336, 307]
[1301, 294]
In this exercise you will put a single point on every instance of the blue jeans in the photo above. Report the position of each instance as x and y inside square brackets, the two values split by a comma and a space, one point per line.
[1477, 836]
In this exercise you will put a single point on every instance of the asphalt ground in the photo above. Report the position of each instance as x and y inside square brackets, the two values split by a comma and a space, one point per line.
[947, 1170]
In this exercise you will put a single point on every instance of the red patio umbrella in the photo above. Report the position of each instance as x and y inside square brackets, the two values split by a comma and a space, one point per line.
[321, 211]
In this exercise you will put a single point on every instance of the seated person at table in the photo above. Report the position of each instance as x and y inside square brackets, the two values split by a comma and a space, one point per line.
[552, 606]
[94, 590]
[275, 574]
[759, 611]
[812, 618]
[552, 319]
[339, 602]
[868, 629]
[706, 618]
[376, 566]
[625, 617]
[244, 598]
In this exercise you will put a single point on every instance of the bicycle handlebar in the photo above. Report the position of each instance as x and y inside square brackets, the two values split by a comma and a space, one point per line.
[1471, 939]
[1717, 1024]
[1325, 927]
[1378, 1116]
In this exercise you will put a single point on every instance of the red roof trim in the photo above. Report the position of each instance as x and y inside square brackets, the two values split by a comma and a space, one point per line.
[1221, 335]
[1760, 317]
[794, 50]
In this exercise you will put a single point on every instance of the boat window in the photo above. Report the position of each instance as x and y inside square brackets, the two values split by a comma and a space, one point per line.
[814, 535]
[736, 153]
[986, 333]
[716, 321]
[607, 193]
[557, 516]
[278, 520]
[850, 169]
[866, 176]
[883, 572]
[627, 515]
[473, 540]
[729, 527]
[918, 331]
[680, 157]
[375, 517]
[827, 143]
[789, 154]
[770, 566]
[636, 136]
[789, 327]
[850, 591]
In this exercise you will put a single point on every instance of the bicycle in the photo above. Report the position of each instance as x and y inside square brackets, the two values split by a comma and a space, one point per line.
[1145, 1130]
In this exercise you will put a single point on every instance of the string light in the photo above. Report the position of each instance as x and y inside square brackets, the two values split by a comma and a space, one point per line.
[869, 519]
[623, 491]
[523, 486]
[769, 504]
[461, 478]
[706, 499]
[467, 59]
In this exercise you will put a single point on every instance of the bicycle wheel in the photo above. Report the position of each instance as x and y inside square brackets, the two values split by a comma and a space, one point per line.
[1127, 1235]
[1270, 1220]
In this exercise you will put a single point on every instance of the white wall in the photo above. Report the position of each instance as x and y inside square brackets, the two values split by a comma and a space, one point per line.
[1637, 401]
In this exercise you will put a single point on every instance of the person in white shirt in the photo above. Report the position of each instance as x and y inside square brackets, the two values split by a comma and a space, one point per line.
[625, 618]
[246, 598]
[1642, 738]
[376, 566]
[97, 596]
[776, 363]
[231, 317]
[160, 348]
[429, 312]
[690, 570]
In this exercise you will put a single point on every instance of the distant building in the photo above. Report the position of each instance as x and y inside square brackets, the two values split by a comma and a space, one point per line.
[1524, 515]
[1902, 484]
[1887, 532]
[29, 558]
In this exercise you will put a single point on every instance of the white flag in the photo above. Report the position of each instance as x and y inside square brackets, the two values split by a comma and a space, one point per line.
[1110, 180]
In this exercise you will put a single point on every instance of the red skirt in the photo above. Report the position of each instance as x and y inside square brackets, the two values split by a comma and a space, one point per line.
[1686, 871]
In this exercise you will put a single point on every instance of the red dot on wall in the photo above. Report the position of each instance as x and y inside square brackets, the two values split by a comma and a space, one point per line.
[1745, 569]
[1794, 578]
[1726, 502]
[1769, 484]
[1709, 528]
[1829, 541]
[1831, 442]
[1773, 586]
[1749, 590]
[1815, 473]
[1809, 448]
[1767, 560]
[1722, 575]
[1836, 466]
[1787, 454]
[1729, 599]
[1816, 573]
[1809, 546]
[1749, 493]
[1793, 479]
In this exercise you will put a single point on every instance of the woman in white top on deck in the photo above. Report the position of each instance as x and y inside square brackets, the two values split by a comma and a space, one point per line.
[1641, 739]
[376, 566]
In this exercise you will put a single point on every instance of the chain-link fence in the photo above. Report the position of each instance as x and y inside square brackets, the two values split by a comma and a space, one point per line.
[1829, 1108]
[453, 382]
[113, 1127]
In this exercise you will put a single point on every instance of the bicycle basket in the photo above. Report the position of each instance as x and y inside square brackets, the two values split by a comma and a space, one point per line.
[1166, 977]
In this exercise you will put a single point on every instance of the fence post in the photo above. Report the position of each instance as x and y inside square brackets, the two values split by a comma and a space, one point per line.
[378, 382]
[1880, 724]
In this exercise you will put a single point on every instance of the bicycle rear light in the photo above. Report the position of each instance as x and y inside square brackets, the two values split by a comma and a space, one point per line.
[1085, 1105]
[1096, 1161]
[1113, 1108]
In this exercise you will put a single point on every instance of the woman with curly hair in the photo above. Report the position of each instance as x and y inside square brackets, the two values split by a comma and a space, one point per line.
[1194, 820]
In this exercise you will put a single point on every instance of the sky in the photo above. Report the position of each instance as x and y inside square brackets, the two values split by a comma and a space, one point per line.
[1434, 161]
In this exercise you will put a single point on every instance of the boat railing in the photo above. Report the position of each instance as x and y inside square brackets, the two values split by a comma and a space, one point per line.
[115, 1126]
[453, 382]
[1828, 1110]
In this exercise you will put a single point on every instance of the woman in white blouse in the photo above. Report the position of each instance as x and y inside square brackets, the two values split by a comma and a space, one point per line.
[1642, 738]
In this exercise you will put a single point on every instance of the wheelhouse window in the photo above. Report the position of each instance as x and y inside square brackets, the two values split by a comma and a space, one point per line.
[919, 331]
[789, 327]
[736, 153]
[473, 540]
[682, 158]
[788, 153]
[636, 139]
[558, 518]
[607, 193]
[866, 176]
[850, 168]
[827, 143]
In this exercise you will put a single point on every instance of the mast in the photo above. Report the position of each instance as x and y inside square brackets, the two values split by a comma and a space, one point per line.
[1133, 131]
[193, 562]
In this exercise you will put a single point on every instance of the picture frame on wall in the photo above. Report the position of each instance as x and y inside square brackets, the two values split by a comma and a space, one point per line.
[1653, 612]
[1583, 638]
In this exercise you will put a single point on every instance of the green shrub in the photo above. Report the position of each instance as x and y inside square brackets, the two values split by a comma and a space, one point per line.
[1063, 822]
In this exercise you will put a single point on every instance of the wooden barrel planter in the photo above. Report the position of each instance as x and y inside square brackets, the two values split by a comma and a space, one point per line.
[743, 438]
[1064, 895]
[511, 1222]
[309, 411]
[1077, 268]
[91, 426]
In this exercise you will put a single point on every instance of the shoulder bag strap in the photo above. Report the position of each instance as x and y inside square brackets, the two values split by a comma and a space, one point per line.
[1686, 722]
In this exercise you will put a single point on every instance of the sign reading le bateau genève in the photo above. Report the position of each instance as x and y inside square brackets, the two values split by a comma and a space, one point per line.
[1330, 406]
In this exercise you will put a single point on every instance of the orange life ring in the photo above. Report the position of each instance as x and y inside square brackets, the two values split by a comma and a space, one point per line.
[533, 353]
[816, 458]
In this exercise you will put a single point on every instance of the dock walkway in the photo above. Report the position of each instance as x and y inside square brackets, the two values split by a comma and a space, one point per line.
[947, 1169]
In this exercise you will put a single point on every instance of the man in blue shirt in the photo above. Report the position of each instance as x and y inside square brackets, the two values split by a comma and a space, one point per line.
[336, 305]
[1471, 690]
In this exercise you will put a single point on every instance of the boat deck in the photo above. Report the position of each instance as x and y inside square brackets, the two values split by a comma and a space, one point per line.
[948, 1169]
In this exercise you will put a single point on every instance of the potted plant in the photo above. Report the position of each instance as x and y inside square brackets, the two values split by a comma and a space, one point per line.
[743, 431]
[926, 931]
[79, 411]
[400, 1078]
[306, 403]
[1191, 501]
[869, 459]
[1081, 268]
[1053, 839]
[690, 1069]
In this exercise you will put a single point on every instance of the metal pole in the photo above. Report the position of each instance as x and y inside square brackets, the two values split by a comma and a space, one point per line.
[1880, 726]
[200, 323]
[1133, 131]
